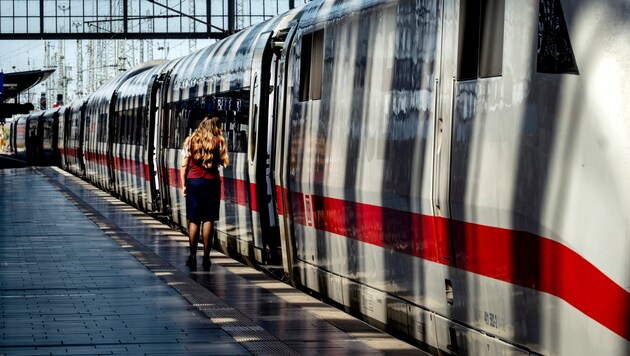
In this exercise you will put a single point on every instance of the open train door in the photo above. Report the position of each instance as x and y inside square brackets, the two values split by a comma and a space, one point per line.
[260, 146]
[112, 132]
[154, 92]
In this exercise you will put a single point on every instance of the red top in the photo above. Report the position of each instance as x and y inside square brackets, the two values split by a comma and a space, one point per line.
[196, 171]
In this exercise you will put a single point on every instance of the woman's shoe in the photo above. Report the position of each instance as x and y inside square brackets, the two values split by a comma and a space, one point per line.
[191, 261]
[206, 262]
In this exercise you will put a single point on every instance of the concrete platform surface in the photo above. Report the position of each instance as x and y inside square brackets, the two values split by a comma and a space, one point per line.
[84, 273]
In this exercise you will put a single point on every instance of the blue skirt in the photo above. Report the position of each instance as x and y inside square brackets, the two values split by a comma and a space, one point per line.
[203, 199]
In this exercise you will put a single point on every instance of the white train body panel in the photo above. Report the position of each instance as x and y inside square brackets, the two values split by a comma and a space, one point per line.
[532, 153]
[523, 178]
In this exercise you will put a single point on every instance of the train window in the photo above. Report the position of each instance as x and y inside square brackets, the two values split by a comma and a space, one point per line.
[231, 107]
[317, 63]
[115, 127]
[170, 124]
[139, 126]
[233, 110]
[102, 129]
[195, 116]
[123, 127]
[480, 39]
[311, 65]
[188, 116]
[180, 129]
[175, 118]
[555, 53]
[128, 126]
[133, 126]
[305, 66]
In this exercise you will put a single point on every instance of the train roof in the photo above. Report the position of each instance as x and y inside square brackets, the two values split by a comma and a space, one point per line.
[105, 92]
[320, 11]
[135, 88]
[225, 65]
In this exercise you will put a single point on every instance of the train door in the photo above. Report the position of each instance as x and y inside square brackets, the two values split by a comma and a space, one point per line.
[112, 133]
[162, 121]
[33, 141]
[55, 139]
[261, 139]
[281, 47]
[444, 93]
[81, 121]
[466, 151]
[62, 136]
[40, 139]
[153, 94]
[471, 64]
[61, 142]
[20, 137]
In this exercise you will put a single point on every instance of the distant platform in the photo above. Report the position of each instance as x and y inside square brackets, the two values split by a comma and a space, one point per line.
[17, 82]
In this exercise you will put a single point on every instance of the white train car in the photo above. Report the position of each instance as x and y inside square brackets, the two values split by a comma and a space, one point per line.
[134, 138]
[454, 170]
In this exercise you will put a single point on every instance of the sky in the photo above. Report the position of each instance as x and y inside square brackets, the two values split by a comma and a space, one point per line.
[23, 55]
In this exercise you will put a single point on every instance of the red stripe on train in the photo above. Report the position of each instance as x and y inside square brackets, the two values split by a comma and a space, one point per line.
[129, 166]
[539, 263]
[516, 257]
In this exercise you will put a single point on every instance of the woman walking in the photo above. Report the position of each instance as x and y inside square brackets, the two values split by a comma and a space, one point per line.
[204, 152]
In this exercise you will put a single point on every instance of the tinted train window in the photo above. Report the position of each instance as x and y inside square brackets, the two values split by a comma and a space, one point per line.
[555, 53]
[185, 117]
[125, 127]
[480, 38]
[179, 129]
[231, 107]
[236, 123]
[311, 64]
[114, 128]
[233, 110]
[139, 126]
[102, 127]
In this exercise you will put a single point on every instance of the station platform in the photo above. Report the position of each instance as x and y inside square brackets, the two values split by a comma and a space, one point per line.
[84, 273]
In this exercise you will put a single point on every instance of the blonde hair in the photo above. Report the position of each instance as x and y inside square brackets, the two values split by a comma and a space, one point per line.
[201, 143]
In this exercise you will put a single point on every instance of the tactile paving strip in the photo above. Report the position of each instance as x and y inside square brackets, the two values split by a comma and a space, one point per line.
[253, 337]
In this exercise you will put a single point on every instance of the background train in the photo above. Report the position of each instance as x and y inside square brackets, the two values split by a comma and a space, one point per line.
[452, 170]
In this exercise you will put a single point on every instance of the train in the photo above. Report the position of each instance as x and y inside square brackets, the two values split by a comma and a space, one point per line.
[451, 171]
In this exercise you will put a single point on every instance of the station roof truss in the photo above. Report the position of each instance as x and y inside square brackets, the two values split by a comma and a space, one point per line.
[132, 19]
